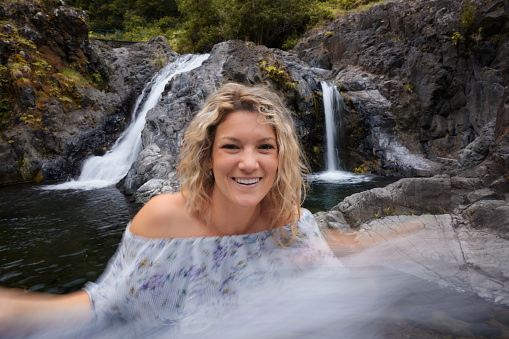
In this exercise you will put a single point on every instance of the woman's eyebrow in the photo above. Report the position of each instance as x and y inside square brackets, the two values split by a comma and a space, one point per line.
[267, 139]
[232, 139]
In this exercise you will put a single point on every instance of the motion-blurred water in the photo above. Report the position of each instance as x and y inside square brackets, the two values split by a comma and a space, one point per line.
[55, 241]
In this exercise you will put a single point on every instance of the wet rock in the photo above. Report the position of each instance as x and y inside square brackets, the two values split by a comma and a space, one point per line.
[410, 196]
[331, 220]
[26, 96]
[371, 125]
[489, 213]
[9, 168]
[483, 194]
[477, 151]
[150, 164]
[31, 35]
[154, 187]
[55, 170]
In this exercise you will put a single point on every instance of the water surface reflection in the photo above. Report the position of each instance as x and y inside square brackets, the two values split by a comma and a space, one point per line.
[54, 241]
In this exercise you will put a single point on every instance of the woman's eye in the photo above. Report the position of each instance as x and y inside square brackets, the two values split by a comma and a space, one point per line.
[267, 146]
[229, 146]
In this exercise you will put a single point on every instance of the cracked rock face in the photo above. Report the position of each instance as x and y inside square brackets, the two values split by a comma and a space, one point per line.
[68, 131]
[442, 93]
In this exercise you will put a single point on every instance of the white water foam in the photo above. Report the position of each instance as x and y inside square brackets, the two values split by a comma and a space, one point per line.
[340, 177]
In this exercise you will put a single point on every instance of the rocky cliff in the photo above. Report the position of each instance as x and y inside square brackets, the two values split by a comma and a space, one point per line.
[441, 67]
[423, 92]
[421, 88]
[63, 97]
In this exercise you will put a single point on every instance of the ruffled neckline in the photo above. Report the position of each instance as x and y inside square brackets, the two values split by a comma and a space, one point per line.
[268, 232]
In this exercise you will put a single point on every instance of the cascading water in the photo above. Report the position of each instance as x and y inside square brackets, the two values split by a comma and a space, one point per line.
[332, 109]
[110, 168]
[331, 105]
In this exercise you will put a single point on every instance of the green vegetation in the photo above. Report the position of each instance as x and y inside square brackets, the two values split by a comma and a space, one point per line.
[159, 60]
[468, 32]
[278, 75]
[29, 71]
[4, 111]
[456, 38]
[120, 35]
[467, 18]
[362, 169]
[194, 26]
[29, 78]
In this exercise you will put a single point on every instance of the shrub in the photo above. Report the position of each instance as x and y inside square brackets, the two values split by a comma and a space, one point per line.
[467, 18]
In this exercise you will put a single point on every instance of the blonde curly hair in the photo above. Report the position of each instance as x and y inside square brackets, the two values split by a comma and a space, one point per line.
[289, 188]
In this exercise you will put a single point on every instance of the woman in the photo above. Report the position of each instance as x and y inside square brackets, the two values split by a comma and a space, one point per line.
[186, 258]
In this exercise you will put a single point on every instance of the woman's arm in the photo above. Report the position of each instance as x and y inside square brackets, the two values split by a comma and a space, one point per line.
[24, 312]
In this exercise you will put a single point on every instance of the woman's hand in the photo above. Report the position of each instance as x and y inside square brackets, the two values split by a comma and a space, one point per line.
[24, 312]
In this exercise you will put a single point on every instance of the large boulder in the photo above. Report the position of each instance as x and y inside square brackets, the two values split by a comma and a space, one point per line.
[407, 196]
[439, 249]
[453, 231]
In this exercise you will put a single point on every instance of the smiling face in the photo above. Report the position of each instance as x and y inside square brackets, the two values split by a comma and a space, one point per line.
[244, 159]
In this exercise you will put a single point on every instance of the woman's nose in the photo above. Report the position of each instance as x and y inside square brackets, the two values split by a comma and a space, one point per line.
[248, 161]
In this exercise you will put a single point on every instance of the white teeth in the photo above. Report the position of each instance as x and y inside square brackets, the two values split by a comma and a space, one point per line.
[247, 181]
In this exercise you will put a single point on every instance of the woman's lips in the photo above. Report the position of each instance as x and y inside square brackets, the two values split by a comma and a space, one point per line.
[247, 181]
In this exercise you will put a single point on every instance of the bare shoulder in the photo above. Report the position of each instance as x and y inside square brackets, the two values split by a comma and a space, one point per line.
[162, 216]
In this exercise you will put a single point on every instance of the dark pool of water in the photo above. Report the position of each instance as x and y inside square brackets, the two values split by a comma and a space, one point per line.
[55, 241]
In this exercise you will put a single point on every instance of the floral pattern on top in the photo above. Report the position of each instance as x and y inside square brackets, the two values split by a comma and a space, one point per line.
[153, 283]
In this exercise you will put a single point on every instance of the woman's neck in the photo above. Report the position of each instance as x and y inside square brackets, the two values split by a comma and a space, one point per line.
[224, 220]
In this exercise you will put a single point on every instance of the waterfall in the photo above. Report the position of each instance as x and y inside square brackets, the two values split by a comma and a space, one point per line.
[110, 168]
[331, 105]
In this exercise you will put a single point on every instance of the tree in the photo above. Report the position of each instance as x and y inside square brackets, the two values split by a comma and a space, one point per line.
[203, 24]
[267, 22]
